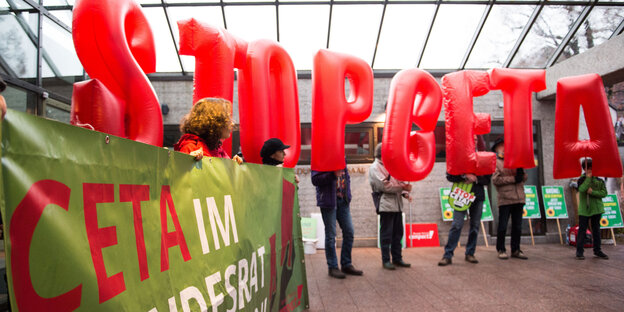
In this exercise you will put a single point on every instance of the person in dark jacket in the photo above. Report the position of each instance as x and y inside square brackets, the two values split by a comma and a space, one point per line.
[591, 191]
[511, 199]
[475, 210]
[333, 195]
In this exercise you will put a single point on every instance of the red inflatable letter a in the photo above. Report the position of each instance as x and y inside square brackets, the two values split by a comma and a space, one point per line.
[586, 91]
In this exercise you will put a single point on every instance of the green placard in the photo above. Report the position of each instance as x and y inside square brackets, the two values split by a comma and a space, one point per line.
[447, 210]
[108, 224]
[531, 207]
[612, 217]
[308, 228]
[554, 202]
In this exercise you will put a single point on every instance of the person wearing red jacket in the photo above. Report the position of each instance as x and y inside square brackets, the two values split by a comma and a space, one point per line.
[205, 127]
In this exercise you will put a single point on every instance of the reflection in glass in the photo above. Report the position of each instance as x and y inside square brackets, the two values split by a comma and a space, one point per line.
[499, 34]
[240, 18]
[357, 143]
[596, 29]
[17, 99]
[402, 35]
[303, 31]
[17, 49]
[547, 32]
[211, 15]
[447, 45]
[354, 30]
[166, 54]
[57, 111]
[59, 46]
[64, 16]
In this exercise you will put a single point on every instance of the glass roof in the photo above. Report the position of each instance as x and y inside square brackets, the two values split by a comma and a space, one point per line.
[390, 35]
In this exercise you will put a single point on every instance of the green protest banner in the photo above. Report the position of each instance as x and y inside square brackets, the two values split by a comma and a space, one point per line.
[554, 202]
[612, 217]
[99, 223]
[531, 207]
[447, 210]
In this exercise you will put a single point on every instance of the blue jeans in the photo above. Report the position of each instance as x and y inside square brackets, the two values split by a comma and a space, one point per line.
[342, 214]
[475, 211]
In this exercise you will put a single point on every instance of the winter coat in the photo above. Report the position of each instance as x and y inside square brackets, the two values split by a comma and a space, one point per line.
[391, 188]
[190, 142]
[595, 198]
[477, 187]
[509, 192]
[325, 182]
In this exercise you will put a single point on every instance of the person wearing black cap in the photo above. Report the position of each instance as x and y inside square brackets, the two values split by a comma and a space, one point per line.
[3, 107]
[509, 185]
[272, 153]
[591, 191]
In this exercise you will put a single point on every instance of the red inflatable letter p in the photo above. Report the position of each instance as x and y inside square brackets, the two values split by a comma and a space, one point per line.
[572, 93]
[330, 109]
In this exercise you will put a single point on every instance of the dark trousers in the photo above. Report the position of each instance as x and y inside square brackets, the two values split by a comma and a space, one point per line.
[504, 211]
[595, 230]
[475, 210]
[391, 233]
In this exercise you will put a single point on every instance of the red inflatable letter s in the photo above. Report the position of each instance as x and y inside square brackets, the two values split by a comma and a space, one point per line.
[115, 45]
[572, 93]
[462, 124]
[331, 111]
[517, 85]
[409, 156]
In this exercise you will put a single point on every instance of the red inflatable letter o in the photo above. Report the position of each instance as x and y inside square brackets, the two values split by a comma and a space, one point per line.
[268, 101]
[331, 111]
[572, 93]
[410, 156]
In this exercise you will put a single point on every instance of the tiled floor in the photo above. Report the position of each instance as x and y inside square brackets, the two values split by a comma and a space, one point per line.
[551, 280]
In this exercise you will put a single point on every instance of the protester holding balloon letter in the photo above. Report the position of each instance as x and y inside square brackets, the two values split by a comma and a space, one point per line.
[511, 198]
[390, 211]
[333, 195]
[591, 191]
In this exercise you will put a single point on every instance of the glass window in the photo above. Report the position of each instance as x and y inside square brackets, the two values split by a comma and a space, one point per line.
[239, 19]
[303, 31]
[596, 29]
[545, 35]
[211, 15]
[306, 145]
[191, 1]
[64, 16]
[57, 110]
[447, 45]
[357, 142]
[499, 34]
[15, 4]
[47, 3]
[166, 53]
[17, 46]
[59, 46]
[402, 35]
[18, 99]
[354, 29]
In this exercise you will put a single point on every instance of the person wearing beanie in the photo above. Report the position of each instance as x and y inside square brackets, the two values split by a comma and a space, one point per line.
[390, 206]
[591, 191]
[509, 185]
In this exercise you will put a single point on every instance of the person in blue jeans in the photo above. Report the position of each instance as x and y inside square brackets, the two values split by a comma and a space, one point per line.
[475, 210]
[333, 195]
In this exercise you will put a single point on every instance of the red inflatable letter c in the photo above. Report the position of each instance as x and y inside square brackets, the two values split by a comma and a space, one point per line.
[410, 156]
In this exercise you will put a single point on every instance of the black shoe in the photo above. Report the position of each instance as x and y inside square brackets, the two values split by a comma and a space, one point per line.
[351, 270]
[471, 259]
[580, 257]
[601, 255]
[519, 255]
[401, 264]
[334, 272]
[389, 266]
[445, 262]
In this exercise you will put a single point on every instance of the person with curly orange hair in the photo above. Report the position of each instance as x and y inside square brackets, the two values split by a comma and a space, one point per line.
[205, 127]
